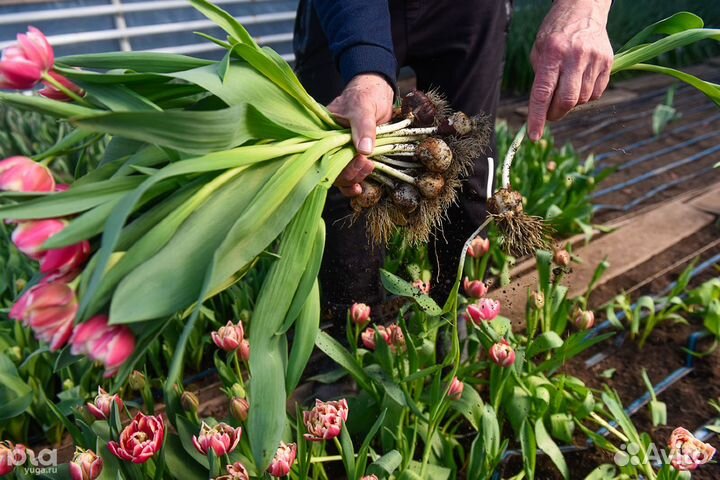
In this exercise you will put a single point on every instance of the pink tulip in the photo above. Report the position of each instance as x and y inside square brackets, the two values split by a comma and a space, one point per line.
[51, 92]
[8, 457]
[65, 259]
[49, 309]
[229, 337]
[486, 310]
[394, 337]
[474, 288]
[222, 439]
[456, 389]
[62, 187]
[478, 247]
[283, 460]
[140, 440]
[22, 174]
[85, 465]
[502, 354]
[368, 338]
[244, 350]
[687, 452]
[29, 237]
[424, 287]
[110, 344]
[101, 408]
[236, 471]
[360, 314]
[370, 477]
[326, 420]
[584, 319]
[22, 65]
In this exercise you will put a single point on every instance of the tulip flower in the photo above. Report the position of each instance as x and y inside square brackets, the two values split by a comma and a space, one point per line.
[474, 288]
[53, 93]
[394, 337]
[368, 338]
[239, 409]
[502, 354]
[584, 319]
[23, 65]
[283, 460]
[221, 439]
[23, 174]
[140, 440]
[49, 309]
[687, 452]
[360, 314]
[370, 477]
[486, 310]
[8, 457]
[101, 407]
[236, 471]
[325, 421]
[85, 465]
[65, 259]
[478, 247]
[229, 337]
[456, 389]
[244, 350]
[424, 287]
[29, 237]
[538, 299]
[110, 344]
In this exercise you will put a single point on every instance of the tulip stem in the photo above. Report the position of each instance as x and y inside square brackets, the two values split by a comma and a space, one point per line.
[396, 163]
[388, 170]
[507, 164]
[393, 127]
[69, 93]
[601, 421]
[327, 458]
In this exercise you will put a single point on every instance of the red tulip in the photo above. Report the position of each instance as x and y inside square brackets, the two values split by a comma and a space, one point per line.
[474, 288]
[22, 174]
[140, 440]
[456, 389]
[65, 259]
[51, 92]
[283, 460]
[687, 452]
[222, 439]
[102, 405]
[229, 337]
[10, 457]
[30, 236]
[486, 310]
[360, 314]
[325, 421]
[85, 465]
[110, 344]
[24, 64]
[502, 354]
[478, 247]
[49, 309]
[236, 471]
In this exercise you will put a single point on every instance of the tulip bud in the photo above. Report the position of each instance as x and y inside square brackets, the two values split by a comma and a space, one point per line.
[22, 174]
[85, 465]
[15, 353]
[485, 310]
[24, 63]
[370, 477]
[538, 299]
[244, 351]
[101, 408]
[136, 381]
[190, 402]
[11, 456]
[29, 237]
[368, 338]
[221, 439]
[502, 354]
[68, 384]
[109, 344]
[395, 338]
[584, 319]
[474, 288]
[236, 471]
[65, 259]
[456, 389]
[283, 460]
[551, 166]
[53, 93]
[49, 309]
[561, 258]
[239, 409]
[237, 391]
[478, 247]
[360, 314]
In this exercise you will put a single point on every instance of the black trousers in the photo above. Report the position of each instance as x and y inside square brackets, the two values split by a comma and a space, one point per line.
[456, 47]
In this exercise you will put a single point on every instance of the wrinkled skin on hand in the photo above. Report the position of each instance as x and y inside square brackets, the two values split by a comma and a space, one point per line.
[365, 103]
[572, 58]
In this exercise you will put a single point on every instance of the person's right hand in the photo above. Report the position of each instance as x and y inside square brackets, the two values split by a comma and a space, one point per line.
[366, 102]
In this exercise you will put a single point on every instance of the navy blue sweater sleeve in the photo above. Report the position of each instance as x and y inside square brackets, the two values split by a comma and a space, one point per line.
[359, 36]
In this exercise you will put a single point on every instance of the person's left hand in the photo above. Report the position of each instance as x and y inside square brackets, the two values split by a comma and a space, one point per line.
[572, 58]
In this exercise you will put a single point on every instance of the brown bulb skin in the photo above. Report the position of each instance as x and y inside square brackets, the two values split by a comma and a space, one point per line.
[406, 197]
[420, 108]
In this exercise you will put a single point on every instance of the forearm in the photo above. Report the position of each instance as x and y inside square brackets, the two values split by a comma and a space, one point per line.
[359, 36]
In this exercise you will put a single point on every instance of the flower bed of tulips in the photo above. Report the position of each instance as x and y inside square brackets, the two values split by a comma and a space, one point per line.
[206, 206]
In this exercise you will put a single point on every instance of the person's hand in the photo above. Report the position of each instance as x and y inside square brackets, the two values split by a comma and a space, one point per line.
[366, 102]
[572, 58]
